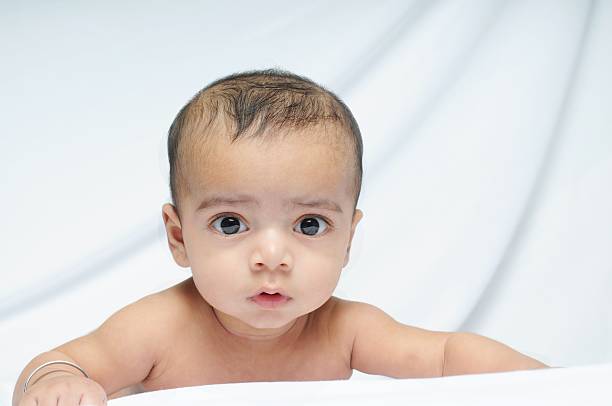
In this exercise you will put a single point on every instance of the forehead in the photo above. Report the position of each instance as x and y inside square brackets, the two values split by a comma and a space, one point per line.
[285, 167]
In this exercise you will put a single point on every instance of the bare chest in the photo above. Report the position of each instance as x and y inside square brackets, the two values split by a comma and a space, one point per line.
[199, 360]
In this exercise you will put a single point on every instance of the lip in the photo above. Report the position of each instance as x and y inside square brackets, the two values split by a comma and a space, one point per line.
[269, 298]
[270, 291]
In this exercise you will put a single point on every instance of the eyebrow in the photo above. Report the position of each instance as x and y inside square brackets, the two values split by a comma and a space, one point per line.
[237, 200]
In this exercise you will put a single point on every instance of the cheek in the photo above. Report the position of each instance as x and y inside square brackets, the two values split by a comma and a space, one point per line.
[217, 272]
[319, 274]
[206, 252]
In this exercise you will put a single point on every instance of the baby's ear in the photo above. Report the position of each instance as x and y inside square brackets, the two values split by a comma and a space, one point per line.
[174, 232]
[357, 216]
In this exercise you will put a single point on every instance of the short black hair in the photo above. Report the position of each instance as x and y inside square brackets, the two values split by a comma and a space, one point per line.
[254, 101]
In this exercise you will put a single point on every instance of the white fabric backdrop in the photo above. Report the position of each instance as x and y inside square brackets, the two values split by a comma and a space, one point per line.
[488, 157]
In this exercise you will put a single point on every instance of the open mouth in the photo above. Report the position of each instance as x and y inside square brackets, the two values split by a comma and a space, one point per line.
[270, 300]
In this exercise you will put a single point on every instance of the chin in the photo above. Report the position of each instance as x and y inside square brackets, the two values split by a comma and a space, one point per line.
[271, 322]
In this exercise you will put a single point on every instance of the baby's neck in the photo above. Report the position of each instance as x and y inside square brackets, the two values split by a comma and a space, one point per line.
[273, 338]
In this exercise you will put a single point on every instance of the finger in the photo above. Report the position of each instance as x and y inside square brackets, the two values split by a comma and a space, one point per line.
[50, 400]
[28, 400]
[70, 398]
[92, 399]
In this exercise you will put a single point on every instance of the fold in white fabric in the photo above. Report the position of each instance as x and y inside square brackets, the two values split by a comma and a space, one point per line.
[559, 387]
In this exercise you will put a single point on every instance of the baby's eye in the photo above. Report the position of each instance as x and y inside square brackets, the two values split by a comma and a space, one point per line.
[311, 225]
[228, 225]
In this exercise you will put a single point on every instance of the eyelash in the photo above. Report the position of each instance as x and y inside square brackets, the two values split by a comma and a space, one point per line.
[328, 223]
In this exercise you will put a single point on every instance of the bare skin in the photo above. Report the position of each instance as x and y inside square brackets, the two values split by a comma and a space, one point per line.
[194, 348]
[314, 347]
[208, 329]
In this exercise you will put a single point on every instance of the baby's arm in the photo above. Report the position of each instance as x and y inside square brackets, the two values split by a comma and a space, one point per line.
[467, 353]
[382, 346]
[121, 352]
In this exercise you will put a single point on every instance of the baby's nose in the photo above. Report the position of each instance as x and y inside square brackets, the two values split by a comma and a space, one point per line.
[262, 266]
[272, 252]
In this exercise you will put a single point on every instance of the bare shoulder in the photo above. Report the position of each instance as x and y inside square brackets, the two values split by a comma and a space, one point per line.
[156, 315]
[345, 318]
[383, 346]
[350, 316]
[171, 305]
[125, 349]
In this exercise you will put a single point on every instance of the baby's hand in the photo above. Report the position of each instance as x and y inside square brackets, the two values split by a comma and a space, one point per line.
[64, 390]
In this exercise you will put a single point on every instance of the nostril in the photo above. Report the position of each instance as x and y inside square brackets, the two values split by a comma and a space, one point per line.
[261, 265]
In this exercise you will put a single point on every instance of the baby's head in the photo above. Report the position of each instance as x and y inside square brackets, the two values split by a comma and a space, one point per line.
[265, 175]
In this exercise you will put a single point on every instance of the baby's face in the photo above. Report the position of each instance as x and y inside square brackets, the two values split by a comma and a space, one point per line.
[271, 216]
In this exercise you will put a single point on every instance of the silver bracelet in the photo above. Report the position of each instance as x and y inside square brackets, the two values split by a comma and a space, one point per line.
[25, 385]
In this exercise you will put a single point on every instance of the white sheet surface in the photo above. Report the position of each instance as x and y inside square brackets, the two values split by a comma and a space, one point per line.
[588, 385]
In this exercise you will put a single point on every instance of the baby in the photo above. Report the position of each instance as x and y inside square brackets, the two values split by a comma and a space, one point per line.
[265, 175]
